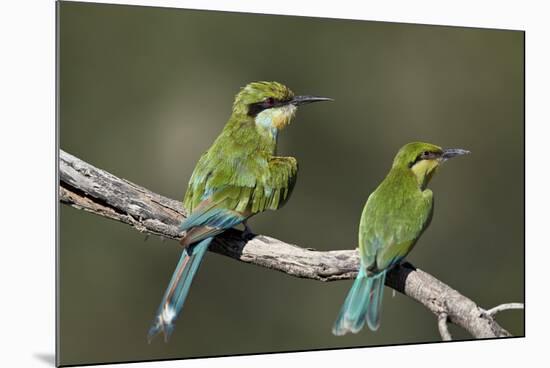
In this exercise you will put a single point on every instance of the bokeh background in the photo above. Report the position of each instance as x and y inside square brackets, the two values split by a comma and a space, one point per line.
[145, 91]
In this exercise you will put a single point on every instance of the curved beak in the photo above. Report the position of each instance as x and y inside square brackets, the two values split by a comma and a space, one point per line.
[303, 100]
[453, 152]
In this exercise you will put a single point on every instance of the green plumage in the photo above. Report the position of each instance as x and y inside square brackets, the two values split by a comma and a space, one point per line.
[394, 217]
[239, 176]
[240, 170]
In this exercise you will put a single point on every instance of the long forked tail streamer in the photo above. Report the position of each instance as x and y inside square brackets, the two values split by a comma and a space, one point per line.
[374, 304]
[176, 293]
[362, 304]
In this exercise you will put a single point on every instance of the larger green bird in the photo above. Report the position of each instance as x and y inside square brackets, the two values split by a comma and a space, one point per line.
[394, 217]
[240, 175]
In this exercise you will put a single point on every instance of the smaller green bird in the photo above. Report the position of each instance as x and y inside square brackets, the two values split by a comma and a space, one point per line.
[394, 217]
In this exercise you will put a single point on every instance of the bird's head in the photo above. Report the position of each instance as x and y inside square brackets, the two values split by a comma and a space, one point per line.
[270, 104]
[423, 159]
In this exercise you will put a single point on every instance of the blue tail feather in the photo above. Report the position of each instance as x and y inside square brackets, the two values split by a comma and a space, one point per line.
[375, 301]
[177, 290]
[362, 304]
[202, 226]
[221, 218]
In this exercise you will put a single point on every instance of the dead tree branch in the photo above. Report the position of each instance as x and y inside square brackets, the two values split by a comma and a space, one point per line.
[506, 306]
[86, 187]
[443, 327]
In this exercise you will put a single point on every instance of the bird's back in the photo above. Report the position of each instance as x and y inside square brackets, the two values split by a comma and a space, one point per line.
[240, 173]
[234, 163]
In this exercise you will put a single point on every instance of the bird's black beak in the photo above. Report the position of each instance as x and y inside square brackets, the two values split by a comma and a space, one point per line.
[453, 152]
[303, 100]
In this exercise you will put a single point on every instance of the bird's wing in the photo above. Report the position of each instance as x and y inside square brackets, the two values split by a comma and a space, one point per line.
[220, 198]
[274, 190]
[391, 224]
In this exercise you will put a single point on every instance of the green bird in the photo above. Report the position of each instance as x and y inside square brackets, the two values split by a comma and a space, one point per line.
[394, 217]
[239, 176]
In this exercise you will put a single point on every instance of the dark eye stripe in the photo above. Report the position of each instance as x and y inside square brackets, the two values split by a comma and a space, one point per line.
[426, 155]
[257, 107]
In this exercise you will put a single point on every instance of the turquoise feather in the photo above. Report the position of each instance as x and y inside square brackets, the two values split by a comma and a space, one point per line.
[363, 304]
[176, 293]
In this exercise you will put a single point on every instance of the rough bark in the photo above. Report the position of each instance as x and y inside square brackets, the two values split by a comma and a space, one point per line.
[86, 187]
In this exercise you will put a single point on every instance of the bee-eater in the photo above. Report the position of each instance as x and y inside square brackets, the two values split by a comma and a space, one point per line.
[394, 217]
[238, 176]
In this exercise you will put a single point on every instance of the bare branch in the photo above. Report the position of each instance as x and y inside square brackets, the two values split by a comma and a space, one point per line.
[506, 306]
[443, 328]
[86, 187]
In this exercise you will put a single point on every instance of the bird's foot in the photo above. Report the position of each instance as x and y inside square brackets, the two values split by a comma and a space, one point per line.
[408, 265]
[247, 234]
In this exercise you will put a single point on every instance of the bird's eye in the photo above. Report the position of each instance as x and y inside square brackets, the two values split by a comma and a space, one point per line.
[425, 154]
[269, 101]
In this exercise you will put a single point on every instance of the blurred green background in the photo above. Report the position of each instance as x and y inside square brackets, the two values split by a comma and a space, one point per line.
[145, 91]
